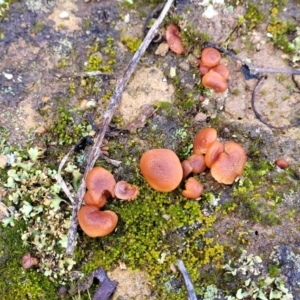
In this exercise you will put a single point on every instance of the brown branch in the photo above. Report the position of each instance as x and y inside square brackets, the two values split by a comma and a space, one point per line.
[252, 67]
[114, 101]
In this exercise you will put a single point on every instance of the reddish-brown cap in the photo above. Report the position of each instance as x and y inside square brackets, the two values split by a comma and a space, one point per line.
[125, 191]
[282, 163]
[222, 70]
[215, 81]
[193, 189]
[230, 164]
[162, 169]
[203, 140]
[210, 57]
[202, 68]
[174, 39]
[99, 181]
[186, 168]
[197, 162]
[213, 152]
[96, 223]
[98, 202]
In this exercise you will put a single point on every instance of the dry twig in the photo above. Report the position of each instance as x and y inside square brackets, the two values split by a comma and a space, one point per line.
[114, 101]
[187, 280]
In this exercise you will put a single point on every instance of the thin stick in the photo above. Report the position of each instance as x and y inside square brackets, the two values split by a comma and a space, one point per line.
[258, 115]
[187, 280]
[114, 101]
[252, 67]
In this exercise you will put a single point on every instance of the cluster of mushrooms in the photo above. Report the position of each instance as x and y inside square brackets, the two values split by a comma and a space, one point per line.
[215, 74]
[164, 172]
[101, 185]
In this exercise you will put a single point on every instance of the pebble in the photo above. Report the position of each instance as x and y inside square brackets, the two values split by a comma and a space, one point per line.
[8, 76]
[184, 66]
[64, 15]
[193, 60]
[162, 49]
[41, 130]
[3, 161]
[200, 117]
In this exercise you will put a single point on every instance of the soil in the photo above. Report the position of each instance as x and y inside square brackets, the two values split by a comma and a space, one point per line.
[38, 35]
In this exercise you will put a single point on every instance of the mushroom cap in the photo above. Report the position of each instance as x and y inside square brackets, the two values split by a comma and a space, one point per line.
[230, 164]
[125, 191]
[186, 168]
[174, 39]
[222, 70]
[100, 181]
[193, 189]
[215, 81]
[162, 169]
[203, 140]
[98, 202]
[202, 68]
[28, 261]
[96, 223]
[197, 162]
[210, 57]
[213, 152]
[282, 163]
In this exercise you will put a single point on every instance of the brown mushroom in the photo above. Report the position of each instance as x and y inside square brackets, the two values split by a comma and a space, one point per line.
[186, 168]
[96, 223]
[282, 163]
[202, 68]
[230, 164]
[125, 191]
[197, 162]
[28, 261]
[215, 81]
[98, 202]
[213, 152]
[162, 169]
[222, 70]
[99, 182]
[193, 189]
[174, 39]
[210, 57]
[203, 140]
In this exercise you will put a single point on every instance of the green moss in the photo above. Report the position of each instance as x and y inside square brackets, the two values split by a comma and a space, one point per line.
[64, 129]
[153, 232]
[16, 283]
[254, 16]
[132, 43]
[37, 27]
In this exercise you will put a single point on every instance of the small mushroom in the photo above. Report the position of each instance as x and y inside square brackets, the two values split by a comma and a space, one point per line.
[98, 202]
[282, 163]
[197, 162]
[210, 57]
[162, 169]
[28, 261]
[213, 152]
[215, 81]
[186, 168]
[99, 182]
[193, 189]
[203, 140]
[125, 191]
[222, 70]
[229, 164]
[174, 39]
[96, 223]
